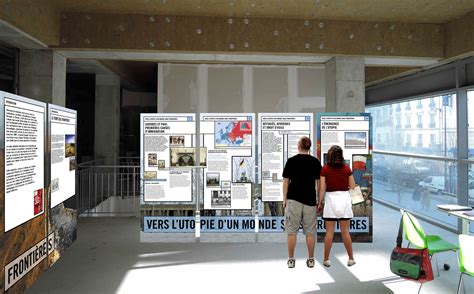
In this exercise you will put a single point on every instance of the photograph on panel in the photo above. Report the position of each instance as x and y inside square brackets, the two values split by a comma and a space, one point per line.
[70, 145]
[186, 156]
[225, 184]
[242, 169]
[150, 175]
[72, 163]
[177, 141]
[152, 159]
[220, 199]
[355, 139]
[213, 180]
[161, 164]
[233, 134]
[38, 201]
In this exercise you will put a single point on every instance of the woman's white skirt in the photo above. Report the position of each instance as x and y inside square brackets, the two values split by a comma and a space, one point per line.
[338, 205]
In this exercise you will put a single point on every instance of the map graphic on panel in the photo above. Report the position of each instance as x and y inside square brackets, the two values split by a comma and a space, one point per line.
[233, 134]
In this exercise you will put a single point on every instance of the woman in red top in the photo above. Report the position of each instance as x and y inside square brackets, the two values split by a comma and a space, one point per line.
[335, 181]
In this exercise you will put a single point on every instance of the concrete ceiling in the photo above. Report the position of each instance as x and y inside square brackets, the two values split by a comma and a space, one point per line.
[419, 11]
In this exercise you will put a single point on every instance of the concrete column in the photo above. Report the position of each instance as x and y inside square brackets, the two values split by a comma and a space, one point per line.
[345, 84]
[42, 76]
[107, 117]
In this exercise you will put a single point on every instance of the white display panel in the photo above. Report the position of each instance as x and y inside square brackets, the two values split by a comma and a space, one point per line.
[351, 133]
[24, 159]
[63, 154]
[168, 144]
[278, 141]
[230, 141]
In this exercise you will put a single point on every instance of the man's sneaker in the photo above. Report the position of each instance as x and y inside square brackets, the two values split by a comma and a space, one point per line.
[327, 263]
[351, 262]
[310, 262]
[291, 262]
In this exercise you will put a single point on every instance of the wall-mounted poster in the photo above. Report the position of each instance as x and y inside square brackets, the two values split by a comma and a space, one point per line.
[63, 154]
[229, 140]
[278, 141]
[24, 160]
[168, 155]
[352, 132]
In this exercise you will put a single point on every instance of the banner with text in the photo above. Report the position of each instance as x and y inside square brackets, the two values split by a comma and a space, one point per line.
[234, 224]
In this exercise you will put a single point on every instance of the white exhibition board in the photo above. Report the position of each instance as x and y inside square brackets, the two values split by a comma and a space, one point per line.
[278, 138]
[63, 153]
[350, 132]
[24, 132]
[230, 172]
[167, 147]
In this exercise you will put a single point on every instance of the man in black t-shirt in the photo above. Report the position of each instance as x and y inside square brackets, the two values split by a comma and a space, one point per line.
[300, 181]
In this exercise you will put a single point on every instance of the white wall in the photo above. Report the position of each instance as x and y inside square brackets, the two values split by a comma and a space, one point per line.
[240, 88]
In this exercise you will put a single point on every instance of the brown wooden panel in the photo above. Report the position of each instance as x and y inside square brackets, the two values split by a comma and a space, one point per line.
[262, 35]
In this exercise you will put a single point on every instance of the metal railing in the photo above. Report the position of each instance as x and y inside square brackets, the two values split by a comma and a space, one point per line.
[109, 189]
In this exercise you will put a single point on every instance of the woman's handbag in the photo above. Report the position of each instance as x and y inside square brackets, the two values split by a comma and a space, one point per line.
[410, 263]
[356, 195]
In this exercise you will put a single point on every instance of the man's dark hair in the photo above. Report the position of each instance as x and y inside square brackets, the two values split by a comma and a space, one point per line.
[305, 143]
[334, 157]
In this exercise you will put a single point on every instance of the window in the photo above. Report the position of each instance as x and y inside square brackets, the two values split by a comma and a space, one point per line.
[432, 139]
[470, 122]
[432, 120]
[420, 121]
[419, 142]
[440, 121]
[432, 103]
[405, 180]
[408, 122]
[419, 105]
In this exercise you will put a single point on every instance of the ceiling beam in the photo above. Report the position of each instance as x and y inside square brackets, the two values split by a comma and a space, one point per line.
[136, 32]
[376, 74]
[459, 36]
[37, 18]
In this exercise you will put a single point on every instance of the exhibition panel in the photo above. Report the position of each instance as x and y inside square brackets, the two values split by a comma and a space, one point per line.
[278, 138]
[230, 142]
[61, 177]
[227, 197]
[24, 160]
[168, 156]
[40, 144]
[24, 238]
[353, 133]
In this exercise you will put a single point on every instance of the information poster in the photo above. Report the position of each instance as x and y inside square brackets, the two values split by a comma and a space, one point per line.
[24, 160]
[229, 139]
[168, 155]
[63, 154]
[352, 132]
[278, 141]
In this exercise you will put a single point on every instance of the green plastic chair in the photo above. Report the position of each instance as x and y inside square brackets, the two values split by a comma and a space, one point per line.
[466, 258]
[415, 235]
